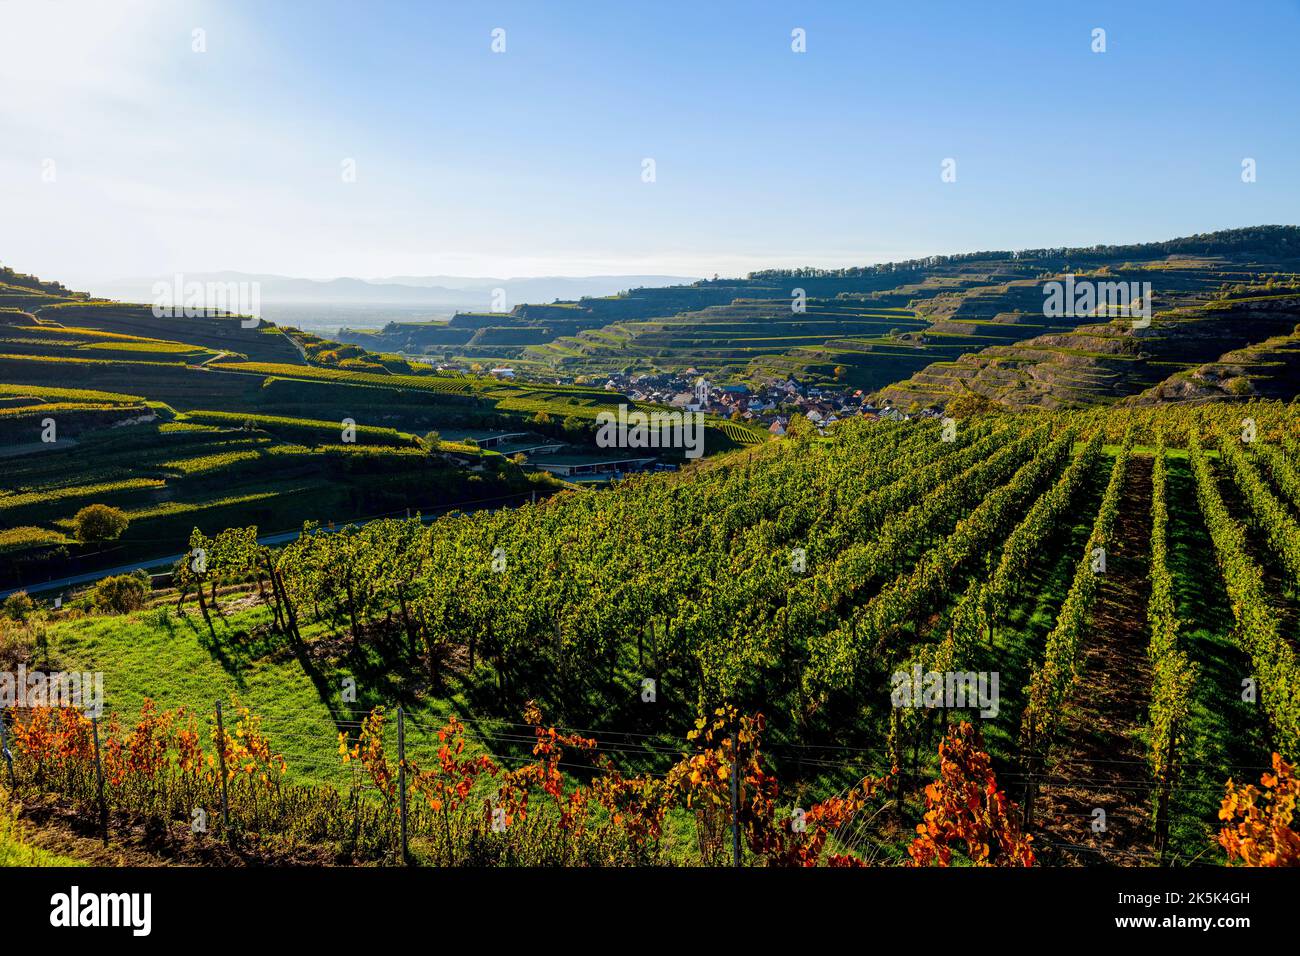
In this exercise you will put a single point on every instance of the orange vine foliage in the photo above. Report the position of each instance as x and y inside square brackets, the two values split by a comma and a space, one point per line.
[548, 749]
[369, 752]
[143, 751]
[155, 765]
[189, 752]
[62, 736]
[248, 751]
[1261, 824]
[965, 806]
[160, 766]
[637, 804]
[448, 787]
[55, 736]
[704, 778]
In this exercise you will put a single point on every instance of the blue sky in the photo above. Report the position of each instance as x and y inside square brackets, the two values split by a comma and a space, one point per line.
[529, 162]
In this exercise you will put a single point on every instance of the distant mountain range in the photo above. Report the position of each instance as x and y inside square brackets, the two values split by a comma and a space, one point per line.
[468, 293]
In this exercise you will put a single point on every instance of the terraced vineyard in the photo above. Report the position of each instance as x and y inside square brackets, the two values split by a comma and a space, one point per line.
[923, 332]
[1234, 348]
[1116, 590]
[209, 421]
[429, 383]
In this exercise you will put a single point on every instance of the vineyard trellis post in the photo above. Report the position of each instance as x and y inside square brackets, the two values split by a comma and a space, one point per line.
[401, 780]
[1027, 800]
[1031, 789]
[4, 749]
[1162, 803]
[99, 780]
[221, 760]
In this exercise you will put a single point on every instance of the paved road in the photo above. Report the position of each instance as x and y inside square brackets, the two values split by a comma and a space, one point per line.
[13, 451]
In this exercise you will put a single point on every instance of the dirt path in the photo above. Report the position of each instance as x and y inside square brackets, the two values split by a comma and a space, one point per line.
[1100, 760]
[212, 358]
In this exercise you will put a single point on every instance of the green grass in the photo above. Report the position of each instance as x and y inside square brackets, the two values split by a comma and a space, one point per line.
[299, 696]
[14, 848]
[200, 671]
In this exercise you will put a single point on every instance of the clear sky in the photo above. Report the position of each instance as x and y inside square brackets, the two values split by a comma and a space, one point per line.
[529, 162]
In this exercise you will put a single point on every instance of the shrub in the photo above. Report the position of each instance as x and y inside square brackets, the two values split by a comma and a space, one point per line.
[18, 606]
[122, 593]
[99, 523]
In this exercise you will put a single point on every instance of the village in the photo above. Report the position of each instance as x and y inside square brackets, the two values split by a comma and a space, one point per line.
[769, 406]
[766, 406]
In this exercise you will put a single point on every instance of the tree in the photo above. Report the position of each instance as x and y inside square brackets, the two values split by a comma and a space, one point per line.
[99, 523]
[191, 572]
[841, 371]
[432, 442]
[799, 427]
[969, 404]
